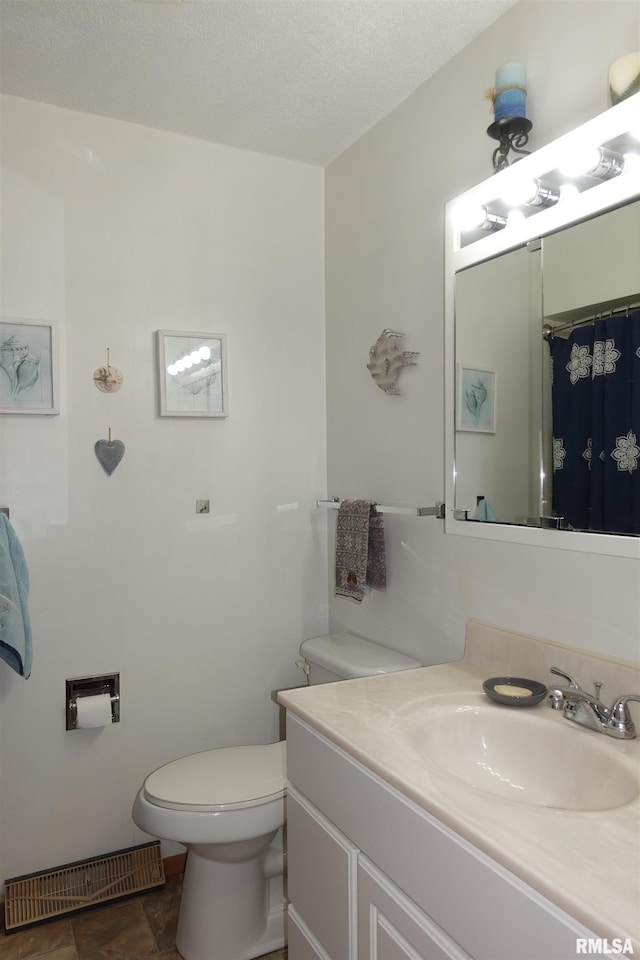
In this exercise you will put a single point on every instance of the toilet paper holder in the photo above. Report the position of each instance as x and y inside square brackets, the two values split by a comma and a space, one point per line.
[92, 687]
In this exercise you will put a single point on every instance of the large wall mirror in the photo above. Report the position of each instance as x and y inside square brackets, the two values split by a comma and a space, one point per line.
[543, 345]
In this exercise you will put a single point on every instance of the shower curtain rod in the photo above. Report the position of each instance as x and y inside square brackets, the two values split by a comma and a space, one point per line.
[548, 332]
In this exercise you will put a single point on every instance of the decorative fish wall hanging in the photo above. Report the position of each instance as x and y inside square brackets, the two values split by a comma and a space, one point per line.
[386, 360]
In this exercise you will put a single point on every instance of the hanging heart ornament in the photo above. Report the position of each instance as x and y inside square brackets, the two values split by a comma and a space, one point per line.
[109, 454]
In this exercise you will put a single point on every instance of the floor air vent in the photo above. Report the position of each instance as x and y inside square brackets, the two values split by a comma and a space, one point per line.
[50, 894]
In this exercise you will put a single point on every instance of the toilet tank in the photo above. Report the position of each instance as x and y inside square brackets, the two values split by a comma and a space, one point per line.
[343, 656]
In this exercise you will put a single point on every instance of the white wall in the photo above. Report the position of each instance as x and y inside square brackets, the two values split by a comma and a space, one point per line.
[385, 201]
[114, 231]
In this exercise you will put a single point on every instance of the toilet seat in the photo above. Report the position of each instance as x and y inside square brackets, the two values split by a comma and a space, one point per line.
[229, 778]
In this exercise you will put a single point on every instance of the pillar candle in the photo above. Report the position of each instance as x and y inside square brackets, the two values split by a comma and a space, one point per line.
[511, 91]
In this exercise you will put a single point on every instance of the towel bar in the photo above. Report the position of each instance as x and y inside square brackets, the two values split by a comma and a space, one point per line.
[436, 511]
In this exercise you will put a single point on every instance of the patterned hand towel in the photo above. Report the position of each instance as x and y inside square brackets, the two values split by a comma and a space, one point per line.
[360, 553]
[15, 630]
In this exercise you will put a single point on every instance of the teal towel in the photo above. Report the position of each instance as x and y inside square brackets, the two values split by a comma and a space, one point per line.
[485, 512]
[15, 628]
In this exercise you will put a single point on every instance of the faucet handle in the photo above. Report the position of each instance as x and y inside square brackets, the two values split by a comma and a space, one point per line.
[561, 673]
[620, 718]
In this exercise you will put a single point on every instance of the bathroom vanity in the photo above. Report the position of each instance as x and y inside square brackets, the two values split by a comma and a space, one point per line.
[394, 855]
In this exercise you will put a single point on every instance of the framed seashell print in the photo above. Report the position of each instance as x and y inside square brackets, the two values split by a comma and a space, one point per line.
[476, 399]
[28, 366]
[192, 374]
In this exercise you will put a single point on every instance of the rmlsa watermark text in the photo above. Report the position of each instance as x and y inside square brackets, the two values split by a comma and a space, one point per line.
[616, 947]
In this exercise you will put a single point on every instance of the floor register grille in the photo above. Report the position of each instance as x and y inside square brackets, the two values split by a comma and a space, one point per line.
[49, 894]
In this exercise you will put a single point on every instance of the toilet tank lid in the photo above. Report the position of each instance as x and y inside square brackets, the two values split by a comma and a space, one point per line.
[349, 656]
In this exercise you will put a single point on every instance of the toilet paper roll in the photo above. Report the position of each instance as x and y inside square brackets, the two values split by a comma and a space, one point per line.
[93, 711]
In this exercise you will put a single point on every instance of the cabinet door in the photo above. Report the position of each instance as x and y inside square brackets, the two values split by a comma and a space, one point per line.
[301, 943]
[321, 878]
[391, 927]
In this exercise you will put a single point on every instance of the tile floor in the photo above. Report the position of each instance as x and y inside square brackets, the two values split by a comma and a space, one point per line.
[130, 930]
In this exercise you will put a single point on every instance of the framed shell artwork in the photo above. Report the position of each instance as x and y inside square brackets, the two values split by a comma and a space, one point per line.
[28, 367]
[476, 399]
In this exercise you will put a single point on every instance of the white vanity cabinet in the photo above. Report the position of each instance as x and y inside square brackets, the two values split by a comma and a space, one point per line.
[373, 875]
[344, 906]
[321, 876]
[391, 927]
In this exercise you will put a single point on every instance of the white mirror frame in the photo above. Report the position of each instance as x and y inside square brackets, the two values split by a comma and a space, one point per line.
[617, 121]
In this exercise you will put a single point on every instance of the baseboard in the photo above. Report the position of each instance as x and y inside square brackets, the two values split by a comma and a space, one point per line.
[174, 865]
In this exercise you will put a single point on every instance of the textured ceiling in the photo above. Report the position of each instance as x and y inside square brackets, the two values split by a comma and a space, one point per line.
[301, 79]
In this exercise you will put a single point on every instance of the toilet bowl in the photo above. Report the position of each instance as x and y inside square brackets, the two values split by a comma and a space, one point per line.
[227, 806]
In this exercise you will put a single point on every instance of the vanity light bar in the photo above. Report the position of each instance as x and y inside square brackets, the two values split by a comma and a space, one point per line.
[580, 153]
[599, 163]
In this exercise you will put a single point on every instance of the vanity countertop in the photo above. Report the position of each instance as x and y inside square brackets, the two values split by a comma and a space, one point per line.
[586, 862]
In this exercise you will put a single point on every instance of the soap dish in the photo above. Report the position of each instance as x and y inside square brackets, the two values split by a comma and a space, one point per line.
[515, 691]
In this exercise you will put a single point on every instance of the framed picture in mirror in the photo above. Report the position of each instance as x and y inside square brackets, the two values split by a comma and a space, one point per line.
[476, 399]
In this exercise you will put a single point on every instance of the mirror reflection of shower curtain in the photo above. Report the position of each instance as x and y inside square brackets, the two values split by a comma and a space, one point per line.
[596, 426]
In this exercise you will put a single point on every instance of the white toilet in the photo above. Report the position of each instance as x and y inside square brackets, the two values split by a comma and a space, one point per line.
[227, 806]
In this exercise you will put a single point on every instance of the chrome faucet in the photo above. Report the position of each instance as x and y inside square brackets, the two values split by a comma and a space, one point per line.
[588, 709]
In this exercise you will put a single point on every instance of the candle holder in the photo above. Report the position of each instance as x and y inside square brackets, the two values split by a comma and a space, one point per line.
[513, 134]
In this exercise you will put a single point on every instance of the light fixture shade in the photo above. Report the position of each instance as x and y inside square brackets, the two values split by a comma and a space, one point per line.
[530, 192]
[478, 217]
[493, 221]
[592, 161]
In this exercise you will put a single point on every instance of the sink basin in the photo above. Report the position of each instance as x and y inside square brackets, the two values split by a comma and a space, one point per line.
[521, 756]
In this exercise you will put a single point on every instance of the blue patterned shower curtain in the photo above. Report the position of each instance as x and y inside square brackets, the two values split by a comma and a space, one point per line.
[596, 426]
